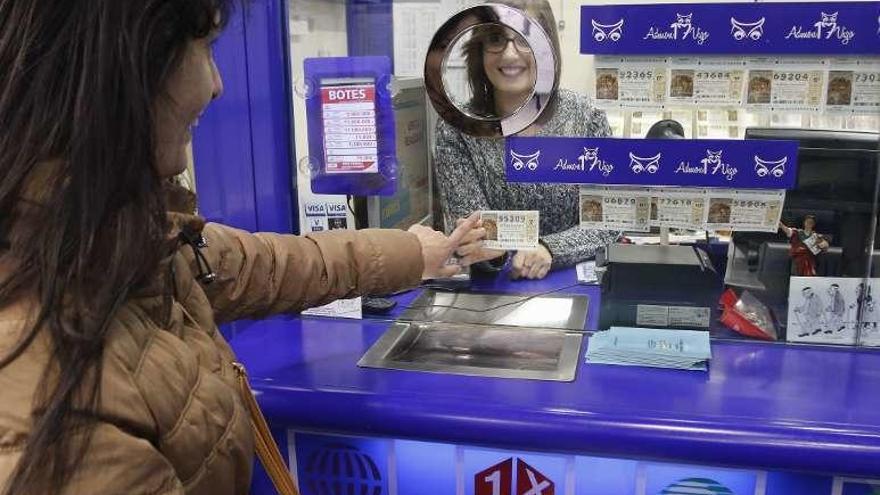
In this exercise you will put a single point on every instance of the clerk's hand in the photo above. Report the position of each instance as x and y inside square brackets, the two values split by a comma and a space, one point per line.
[533, 265]
[471, 249]
[437, 248]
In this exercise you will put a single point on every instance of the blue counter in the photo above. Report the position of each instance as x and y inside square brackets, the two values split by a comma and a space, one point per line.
[766, 407]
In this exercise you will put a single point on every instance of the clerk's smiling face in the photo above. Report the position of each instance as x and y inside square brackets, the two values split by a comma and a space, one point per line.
[509, 63]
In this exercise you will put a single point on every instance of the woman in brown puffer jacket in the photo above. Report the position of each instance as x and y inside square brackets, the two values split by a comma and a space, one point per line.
[113, 376]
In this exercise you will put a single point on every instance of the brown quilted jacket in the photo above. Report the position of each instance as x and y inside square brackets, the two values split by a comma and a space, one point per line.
[171, 420]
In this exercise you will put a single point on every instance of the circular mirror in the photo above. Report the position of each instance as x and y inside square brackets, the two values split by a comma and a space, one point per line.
[491, 70]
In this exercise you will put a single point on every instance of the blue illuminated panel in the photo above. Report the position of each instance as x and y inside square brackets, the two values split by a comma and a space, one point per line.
[801, 484]
[330, 465]
[425, 468]
[600, 476]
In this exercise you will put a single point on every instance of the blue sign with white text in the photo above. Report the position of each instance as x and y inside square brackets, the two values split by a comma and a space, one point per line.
[745, 164]
[831, 28]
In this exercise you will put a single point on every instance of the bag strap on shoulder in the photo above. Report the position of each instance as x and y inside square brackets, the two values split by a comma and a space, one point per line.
[267, 449]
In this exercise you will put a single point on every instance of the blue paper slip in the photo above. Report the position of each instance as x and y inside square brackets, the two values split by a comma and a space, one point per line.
[676, 349]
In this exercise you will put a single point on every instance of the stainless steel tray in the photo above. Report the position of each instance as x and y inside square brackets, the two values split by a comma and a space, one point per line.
[546, 311]
[479, 350]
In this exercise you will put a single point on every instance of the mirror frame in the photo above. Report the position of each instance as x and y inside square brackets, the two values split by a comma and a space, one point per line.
[546, 65]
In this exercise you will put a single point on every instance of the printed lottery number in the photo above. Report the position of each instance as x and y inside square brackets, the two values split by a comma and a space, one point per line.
[750, 204]
[620, 201]
[713, 75]
[790, 76]
[676, 202]
[635, 74]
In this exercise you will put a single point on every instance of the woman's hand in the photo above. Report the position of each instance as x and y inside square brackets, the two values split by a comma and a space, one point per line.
[471, 249]
[437, 248]
[532, 265]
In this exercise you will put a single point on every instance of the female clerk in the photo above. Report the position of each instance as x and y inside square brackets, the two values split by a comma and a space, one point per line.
[470, 170]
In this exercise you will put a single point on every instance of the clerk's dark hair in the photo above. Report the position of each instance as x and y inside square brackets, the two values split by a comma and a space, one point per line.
[78, 87]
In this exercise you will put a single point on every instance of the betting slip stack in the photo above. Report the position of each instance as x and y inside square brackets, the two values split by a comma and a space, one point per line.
[675, 349]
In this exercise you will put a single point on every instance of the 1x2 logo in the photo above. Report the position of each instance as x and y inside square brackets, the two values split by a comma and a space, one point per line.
[499, 480]
[681, 30]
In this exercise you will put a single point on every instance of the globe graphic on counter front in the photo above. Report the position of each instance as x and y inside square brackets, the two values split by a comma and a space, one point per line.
[341, 469]
[696, 486]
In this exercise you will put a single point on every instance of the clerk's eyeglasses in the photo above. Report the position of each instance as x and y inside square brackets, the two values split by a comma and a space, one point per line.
[497, 43]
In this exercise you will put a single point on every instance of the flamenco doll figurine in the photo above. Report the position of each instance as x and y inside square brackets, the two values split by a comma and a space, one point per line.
[806, 244]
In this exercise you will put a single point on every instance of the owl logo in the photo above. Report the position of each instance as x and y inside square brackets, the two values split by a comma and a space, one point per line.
[684, 22]
[747, 30]
[713, 159]
[765, 168]
[602, 32]
[640, 164]
[520, 162]
[828, 24]
[590, 157]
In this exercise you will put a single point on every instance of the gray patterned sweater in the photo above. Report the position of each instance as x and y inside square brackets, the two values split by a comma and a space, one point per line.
[470, 177]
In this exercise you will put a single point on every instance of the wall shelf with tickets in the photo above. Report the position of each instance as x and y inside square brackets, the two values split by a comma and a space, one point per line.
[812, 60]
[639, 122]
[632, 176]
[845, 86]
[715, 123]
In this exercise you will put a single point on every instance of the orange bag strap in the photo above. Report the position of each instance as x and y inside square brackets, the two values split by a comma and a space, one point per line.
[267, 449]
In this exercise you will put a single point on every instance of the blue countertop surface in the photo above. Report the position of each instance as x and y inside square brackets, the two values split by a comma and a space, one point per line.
[768, 406]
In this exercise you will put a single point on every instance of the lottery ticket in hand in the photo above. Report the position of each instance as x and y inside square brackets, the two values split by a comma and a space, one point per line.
[510, 230]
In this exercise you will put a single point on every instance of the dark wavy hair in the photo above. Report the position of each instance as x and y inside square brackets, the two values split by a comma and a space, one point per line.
[77, 91]
[483, 99]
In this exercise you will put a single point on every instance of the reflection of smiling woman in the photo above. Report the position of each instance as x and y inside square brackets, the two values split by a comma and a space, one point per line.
[501, 78]
[470, 170]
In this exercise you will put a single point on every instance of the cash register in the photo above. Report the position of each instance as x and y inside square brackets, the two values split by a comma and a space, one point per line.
[658, 285]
